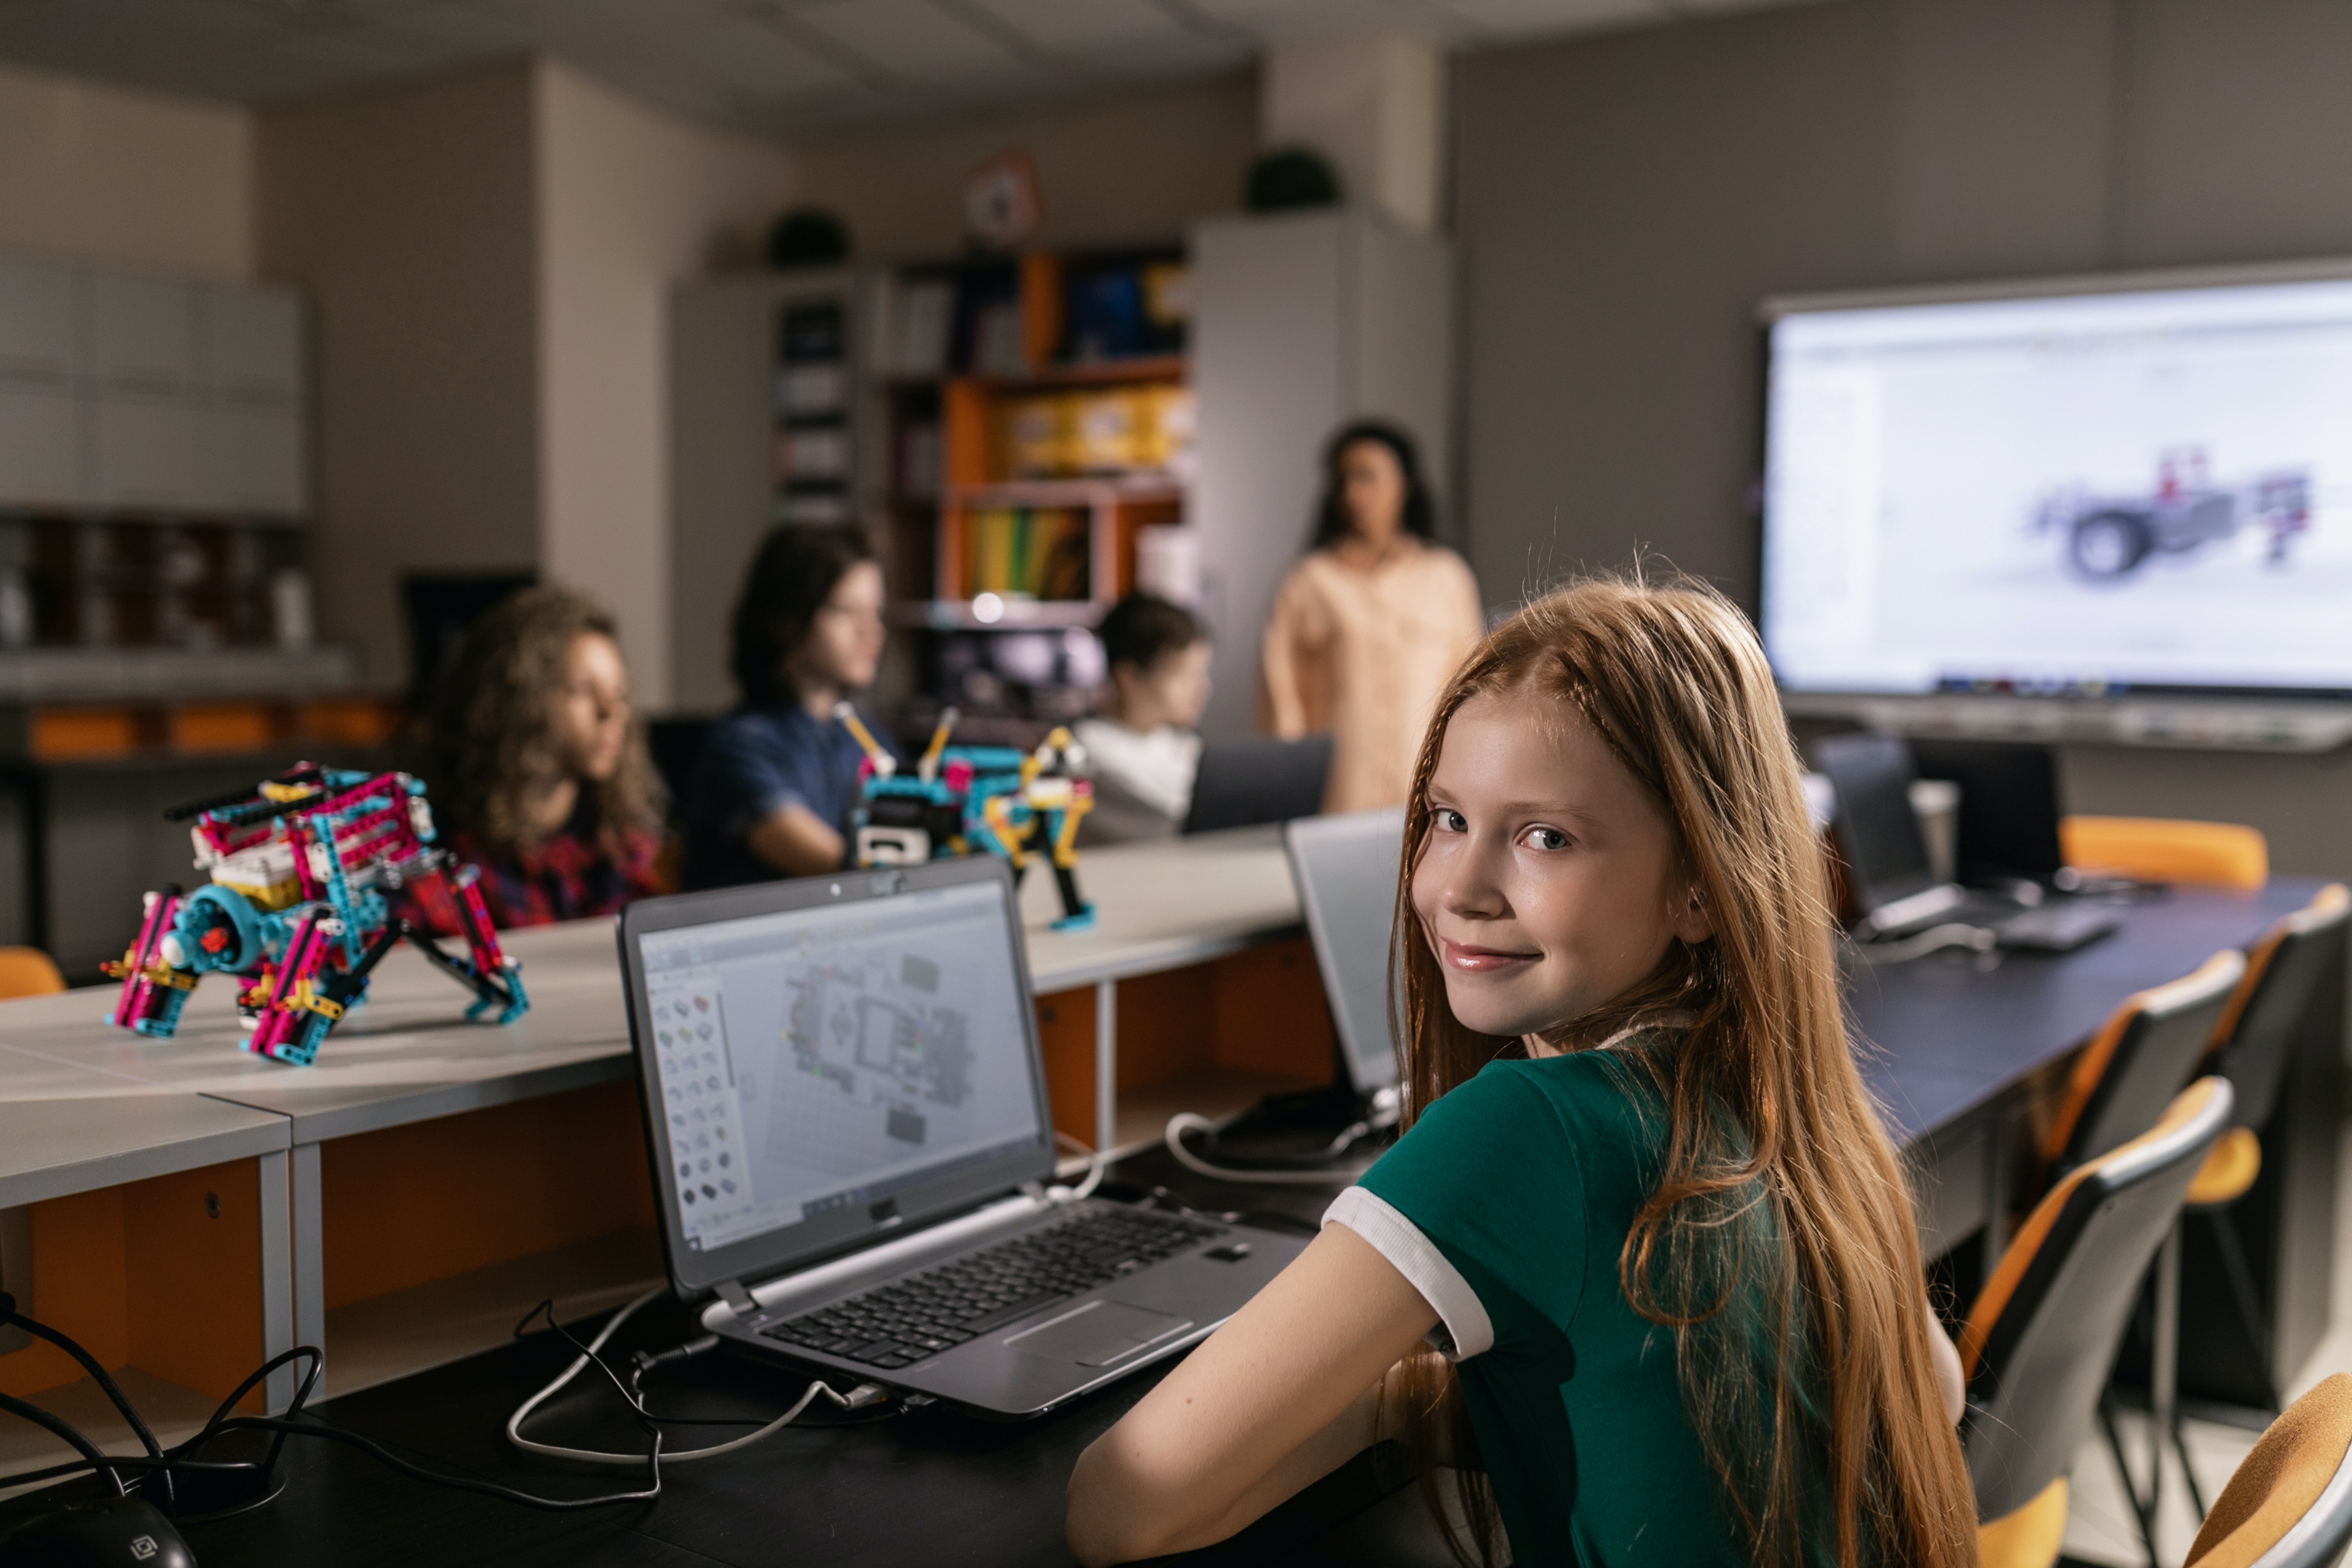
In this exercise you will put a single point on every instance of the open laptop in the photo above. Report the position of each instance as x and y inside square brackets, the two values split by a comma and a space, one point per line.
[846, 1112]
[1887, 853]
[1242, 783]
[1346, 871]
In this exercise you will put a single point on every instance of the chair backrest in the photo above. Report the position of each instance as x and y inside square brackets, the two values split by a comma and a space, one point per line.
[27, 972]
[2258, 1029]
[2289, 1502]
[2137, 1062]
[2044, 1331]
[2159, 849]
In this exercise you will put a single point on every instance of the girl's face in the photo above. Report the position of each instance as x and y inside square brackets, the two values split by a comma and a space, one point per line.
[843, 647]
[592, 711]
[1548, 883]
[1371, 490]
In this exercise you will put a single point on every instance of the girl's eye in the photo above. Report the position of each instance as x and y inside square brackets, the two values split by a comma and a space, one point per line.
[1546, 838]
[1447, 820]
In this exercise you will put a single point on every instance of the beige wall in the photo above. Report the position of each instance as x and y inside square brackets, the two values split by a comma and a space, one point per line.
[408, 216]
[1625, 201]
[107, 173]
[1139, 166]
[628, 203]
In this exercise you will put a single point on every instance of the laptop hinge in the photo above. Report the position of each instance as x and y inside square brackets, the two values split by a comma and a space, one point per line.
[738, 1301]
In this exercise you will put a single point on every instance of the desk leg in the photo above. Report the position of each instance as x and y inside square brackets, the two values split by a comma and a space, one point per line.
[278, 1278]
[1106, 1064]
[309, 1251]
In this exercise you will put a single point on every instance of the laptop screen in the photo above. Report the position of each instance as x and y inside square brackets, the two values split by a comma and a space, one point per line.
[1875, 824]
[825, 1071]
[1346, 869]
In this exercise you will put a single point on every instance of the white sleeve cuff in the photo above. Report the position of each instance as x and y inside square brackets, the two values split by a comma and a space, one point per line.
[1463, 1329]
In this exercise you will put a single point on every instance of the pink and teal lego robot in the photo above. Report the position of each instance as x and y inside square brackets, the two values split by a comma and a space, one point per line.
[297, 910]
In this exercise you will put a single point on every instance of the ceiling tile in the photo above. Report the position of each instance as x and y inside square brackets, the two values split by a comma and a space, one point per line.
[1074, 26]
[748, 54]
[910, 39]
[1276, 20]
[1507, 18]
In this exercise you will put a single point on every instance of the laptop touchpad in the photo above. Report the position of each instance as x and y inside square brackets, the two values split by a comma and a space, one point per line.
[1099, 1334]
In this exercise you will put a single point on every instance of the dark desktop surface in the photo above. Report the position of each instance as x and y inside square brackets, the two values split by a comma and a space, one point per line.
[1946, 1039]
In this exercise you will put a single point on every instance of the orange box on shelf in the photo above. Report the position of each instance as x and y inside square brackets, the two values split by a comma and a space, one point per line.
[85, 734]
[225, 725]
[352, 720]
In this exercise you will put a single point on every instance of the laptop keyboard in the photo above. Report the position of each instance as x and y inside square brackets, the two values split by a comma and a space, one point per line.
[899, 1323]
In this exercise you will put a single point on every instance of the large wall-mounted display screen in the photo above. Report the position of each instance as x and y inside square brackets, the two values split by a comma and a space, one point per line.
[2090, 492]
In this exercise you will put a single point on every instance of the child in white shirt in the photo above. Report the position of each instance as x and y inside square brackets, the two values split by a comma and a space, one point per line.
[1142, 746]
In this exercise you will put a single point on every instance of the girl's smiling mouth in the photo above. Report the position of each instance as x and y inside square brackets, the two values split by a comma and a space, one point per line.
[1469, 960]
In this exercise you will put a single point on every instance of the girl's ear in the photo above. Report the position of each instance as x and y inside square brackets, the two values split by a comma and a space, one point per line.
[1693, 921]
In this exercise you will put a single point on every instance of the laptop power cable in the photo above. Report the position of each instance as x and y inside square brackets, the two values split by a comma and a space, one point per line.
[864, 1396]
[1308, 1171]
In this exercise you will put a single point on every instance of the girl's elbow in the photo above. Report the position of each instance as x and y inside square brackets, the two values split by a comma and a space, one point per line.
[1112, 1518]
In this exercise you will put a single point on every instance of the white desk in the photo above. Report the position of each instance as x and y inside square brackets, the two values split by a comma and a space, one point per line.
[84, 1105]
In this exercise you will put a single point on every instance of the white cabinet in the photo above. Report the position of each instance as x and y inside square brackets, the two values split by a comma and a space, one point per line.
[250, 344]
[145, 454]
[249, 460]
[40, 323]
[142, 334]
[135, 392]
[40, 446]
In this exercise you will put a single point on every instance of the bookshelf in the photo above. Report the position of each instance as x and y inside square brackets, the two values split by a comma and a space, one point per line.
[1041, 419]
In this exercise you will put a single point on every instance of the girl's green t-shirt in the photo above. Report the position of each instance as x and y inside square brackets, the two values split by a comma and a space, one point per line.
[1526, 1180]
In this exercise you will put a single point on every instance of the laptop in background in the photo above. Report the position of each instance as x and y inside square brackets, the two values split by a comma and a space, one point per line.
[1346, 871]
[1887, 852]
[1244, 783]
[2009, 807]
[846, 1112]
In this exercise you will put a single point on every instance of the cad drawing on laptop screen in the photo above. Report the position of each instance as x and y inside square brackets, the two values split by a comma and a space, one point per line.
[819, 1059]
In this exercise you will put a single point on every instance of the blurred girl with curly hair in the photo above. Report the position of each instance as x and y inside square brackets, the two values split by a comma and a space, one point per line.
[538, 768]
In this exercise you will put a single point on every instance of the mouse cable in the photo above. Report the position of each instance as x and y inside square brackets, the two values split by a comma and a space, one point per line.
[1185, 1121]
[857, 1398]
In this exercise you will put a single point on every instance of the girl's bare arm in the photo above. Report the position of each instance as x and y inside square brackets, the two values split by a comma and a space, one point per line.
[1282, 1395]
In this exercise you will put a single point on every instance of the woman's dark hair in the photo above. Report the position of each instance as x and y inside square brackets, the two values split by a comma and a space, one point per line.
[1141, 627]
[493, 736]
[1332, 523]
[795, 573]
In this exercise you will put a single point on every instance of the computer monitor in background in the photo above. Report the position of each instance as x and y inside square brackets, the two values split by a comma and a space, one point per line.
[1244, 783]
[2009, 806]
[2074, 489]
[1346, 869]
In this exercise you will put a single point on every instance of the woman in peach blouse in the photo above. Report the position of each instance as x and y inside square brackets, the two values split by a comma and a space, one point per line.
[1368, 627]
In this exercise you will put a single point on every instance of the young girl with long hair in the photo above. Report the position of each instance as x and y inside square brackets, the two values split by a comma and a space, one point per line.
[1642, 1205]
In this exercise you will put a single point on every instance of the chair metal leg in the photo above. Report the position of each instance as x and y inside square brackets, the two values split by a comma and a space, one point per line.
[2164, 1373]
[2187, 1468]
[2142, 1511]
[2241, 1281]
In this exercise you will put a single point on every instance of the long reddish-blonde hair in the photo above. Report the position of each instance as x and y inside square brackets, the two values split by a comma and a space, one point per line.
[1778, 1243]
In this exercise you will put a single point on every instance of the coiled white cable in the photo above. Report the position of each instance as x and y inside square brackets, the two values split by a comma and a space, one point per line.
[1185, 1121]
[854, 1399]
[1094, 1159]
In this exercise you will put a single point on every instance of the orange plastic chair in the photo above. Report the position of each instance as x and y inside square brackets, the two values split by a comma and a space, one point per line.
[27, 972]
[2290, 1503]
[2159, 849]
